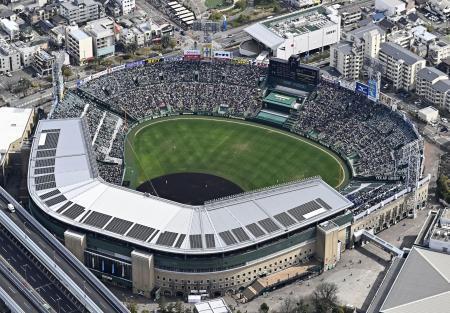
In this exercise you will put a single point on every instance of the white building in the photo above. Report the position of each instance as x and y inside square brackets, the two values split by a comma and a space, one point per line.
[390, 7]
[401, 37]
[15, 127]
[433, 86]
[9, 58]
[348, 56]
[438, 51]
[422, 36]
[79, 45]
[298, 32]
[428, 114]
[80, 11]
[401, 65]
[126, 6]
[103, 37]
[304, 3]
[26, 53]
[11, 28]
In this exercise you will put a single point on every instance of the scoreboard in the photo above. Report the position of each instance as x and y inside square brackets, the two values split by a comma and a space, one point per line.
[293, 71]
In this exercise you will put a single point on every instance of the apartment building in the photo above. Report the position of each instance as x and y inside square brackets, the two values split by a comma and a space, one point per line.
[348, 55]
[9, 58]
[401, 65]
[433, 86]
[80, 11]
[103, 37]
[79, 46]
[401, 37]
[439, 51]
[126, 6]
[43, 62]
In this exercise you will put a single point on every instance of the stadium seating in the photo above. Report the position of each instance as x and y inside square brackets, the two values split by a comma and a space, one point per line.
[370, 136]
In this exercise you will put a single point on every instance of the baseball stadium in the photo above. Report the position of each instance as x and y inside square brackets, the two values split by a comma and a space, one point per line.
[173, 177]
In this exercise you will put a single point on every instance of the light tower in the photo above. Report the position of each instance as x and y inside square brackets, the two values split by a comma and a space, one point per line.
[58, 80]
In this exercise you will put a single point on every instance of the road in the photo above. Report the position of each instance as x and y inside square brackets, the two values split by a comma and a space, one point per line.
[80, 275]
[32, 271]
[17, 295]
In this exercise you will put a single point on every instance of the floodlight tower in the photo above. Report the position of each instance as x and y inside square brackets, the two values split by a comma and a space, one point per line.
[58, 80]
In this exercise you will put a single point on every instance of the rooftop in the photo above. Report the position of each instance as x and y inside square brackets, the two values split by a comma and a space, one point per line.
[422, 285]
[400, 53]
[442, 85]
[78, 34]
[272, 32]
[430, 73]
[13, 122]
[63, 180]
[359, 32]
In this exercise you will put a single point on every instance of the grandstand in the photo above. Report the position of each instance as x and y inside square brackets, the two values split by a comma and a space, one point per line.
[142, 241]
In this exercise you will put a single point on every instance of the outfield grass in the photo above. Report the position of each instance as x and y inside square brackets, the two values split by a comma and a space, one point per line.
[250, 155]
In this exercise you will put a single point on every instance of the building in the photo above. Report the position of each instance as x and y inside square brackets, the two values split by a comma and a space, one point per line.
[348, 56]
[228, 245]
[390, 7]
[9, 58]
[439, 51]
[441, 7]
[350, 15]
[302, 31]
[419, 283]
[422, 36]
[304, 3]
[433, 86]
[43, 63]
[103, 36]
[428, 114]
[438, 238]
[401, 37]
[80, 11]
[126, 6]
[11, 28]
[214, 252]
[16, 127]
[79, 46]
[401, 65]
[26, 53]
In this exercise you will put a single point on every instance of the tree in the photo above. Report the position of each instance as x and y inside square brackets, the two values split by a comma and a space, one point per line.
[288, 306]
[132, 307]
[263, 308]
[165, 41]
[325, 297]
[66, 71]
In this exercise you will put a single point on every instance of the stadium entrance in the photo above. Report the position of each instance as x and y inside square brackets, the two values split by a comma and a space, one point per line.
[190, 188]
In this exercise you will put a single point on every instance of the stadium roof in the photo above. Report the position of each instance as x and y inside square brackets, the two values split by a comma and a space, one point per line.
[13, 122]
[422, 285]
[63, 181]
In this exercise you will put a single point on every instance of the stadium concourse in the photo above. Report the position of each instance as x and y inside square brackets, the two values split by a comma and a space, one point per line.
[142, 241]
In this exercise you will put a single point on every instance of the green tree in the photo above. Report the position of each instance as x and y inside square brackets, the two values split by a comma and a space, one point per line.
[263, 308]
[240, 5]
[132, 307]
[66, 71]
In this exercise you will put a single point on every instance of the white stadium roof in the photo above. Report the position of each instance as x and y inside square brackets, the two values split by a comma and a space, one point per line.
[63, 180]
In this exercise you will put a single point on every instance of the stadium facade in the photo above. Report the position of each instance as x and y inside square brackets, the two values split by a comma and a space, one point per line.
[148, 243]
